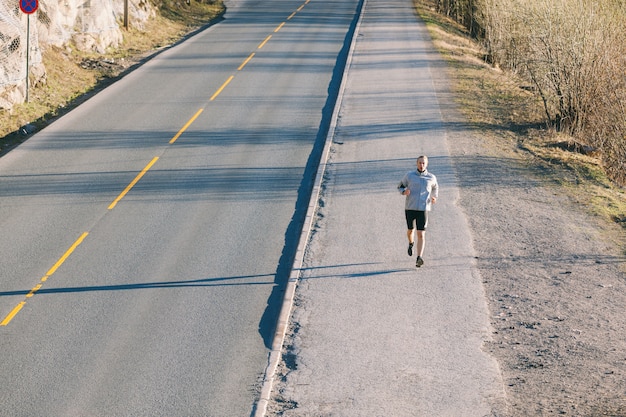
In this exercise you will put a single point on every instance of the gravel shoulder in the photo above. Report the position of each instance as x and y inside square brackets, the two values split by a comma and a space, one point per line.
[553, 276]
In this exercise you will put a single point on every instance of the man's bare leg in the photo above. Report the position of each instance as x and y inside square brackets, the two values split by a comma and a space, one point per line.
[421, 242]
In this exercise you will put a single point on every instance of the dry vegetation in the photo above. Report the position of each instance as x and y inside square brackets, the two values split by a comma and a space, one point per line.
[572, 51]
[506, 108]
[72, 76]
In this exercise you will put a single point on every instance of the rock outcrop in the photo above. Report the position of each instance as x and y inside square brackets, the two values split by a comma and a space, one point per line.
[88, 25]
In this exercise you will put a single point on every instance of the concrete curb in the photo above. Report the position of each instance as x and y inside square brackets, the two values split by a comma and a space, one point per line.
[282, 325]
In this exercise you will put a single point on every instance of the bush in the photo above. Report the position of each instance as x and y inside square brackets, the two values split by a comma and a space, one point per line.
[573, 51]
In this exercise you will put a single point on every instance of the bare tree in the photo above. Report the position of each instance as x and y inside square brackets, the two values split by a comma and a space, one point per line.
[574, 52]
[463, 11]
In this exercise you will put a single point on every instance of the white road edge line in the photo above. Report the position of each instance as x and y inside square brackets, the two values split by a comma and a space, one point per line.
[275, 354]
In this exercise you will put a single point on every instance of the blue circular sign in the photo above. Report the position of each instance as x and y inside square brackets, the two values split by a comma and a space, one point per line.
[29, 6]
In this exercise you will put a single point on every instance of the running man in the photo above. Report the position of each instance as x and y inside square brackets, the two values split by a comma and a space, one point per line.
[421, 190]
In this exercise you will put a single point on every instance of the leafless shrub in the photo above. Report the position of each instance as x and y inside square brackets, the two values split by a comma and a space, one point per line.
[463, 11]
[574, 52]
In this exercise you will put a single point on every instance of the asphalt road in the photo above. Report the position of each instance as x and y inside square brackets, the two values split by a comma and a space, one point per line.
[146, 236]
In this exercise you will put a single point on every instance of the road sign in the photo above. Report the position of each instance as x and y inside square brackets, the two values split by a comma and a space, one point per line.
[29, 6]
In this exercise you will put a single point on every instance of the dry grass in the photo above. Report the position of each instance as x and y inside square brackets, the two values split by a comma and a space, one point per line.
[73, 76]
[509, 116]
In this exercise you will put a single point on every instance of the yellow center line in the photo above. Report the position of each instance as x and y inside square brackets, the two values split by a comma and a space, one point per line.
[132, 183]
[180, 132]
[61, 260]
[34, 290]
[245, 62]
[217, 93]
[51, 271]
[264, 42]
[12, 314]
[66, 254]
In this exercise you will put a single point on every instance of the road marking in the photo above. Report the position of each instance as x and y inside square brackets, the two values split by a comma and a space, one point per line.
[34, 290]
[217, 93]
[51, 271]
[264, 41]
[180, 132]
[245, 62]
[66, 254]
[132, 183]
[261, 45]
[12, 314]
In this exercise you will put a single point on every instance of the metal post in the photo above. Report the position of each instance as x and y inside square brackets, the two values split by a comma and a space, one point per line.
[27, 51]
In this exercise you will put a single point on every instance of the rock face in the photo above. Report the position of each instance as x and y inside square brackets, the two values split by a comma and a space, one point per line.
[90, 25]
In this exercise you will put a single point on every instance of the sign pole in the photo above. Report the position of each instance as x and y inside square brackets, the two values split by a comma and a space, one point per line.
[28, 7]
[27, 51]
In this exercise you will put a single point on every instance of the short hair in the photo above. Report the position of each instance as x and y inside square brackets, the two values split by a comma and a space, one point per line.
[424, 157]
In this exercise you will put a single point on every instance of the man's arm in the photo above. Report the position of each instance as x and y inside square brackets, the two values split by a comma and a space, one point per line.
[402, 187]
[435, 192]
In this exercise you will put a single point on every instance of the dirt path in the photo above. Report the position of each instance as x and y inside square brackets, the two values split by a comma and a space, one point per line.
[555, 284]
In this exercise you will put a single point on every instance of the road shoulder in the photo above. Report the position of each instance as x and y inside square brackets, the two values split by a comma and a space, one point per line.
[553, 276]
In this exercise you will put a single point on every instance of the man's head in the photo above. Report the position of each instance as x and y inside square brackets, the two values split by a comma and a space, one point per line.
[422, 163]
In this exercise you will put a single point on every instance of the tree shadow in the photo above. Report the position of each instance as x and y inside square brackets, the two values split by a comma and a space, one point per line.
[194, 283]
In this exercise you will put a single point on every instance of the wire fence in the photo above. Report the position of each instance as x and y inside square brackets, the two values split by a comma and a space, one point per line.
[54, 23]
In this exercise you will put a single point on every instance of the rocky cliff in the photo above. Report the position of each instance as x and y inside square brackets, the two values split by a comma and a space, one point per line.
[88, 25]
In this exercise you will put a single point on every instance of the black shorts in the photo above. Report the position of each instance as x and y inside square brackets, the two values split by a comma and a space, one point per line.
[417, 219]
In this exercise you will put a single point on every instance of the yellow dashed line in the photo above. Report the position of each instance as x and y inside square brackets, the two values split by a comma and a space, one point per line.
[132, 183]
[51, 271]
[61, 260]
[243, 64]
[264, 42]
